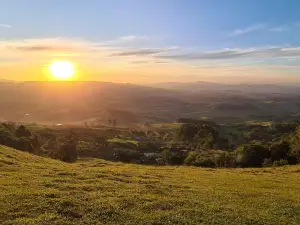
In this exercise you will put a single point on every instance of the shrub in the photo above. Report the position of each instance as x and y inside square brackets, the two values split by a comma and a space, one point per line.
[22, 131]
[279, 150]
[267, 163]
[210, 158]
[252, 155]
[67, 152]
[295, 151]
[281, 162]
[204, 162]
[186, 132]
[126, 155]
[191, 158]
[224, 159]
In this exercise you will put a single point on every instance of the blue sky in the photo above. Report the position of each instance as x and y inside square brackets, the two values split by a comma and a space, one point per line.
[137, 35]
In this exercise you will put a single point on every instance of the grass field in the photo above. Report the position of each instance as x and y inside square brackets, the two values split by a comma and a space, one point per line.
[120, 140]
[35, 190]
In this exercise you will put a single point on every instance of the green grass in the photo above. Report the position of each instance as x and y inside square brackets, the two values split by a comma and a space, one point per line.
[165, 125]
[260, 123]
[36, 190]
[124, 141]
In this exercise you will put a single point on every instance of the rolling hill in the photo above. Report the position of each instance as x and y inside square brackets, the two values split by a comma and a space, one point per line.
[37, 190]
[244, 88]
[78, 102]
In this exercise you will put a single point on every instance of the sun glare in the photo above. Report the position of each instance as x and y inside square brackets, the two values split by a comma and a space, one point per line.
[62, 70]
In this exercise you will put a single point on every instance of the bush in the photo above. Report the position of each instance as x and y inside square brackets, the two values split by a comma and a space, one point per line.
[126, 155]
[210, 158]
[22, 131]
[191, 158]
[267, 163]
[251, 155]
[204, 162]
[279, 150]
[67, 152]
[281, 162]
[225, 159]
[186, 132]
[295, 151]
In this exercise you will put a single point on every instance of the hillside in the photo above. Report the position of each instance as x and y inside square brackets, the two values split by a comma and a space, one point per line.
[246, 88]
[35, 190]
[96, 102]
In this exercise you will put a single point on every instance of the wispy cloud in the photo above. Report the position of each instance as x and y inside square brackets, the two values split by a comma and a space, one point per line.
[83, 49]
[5, 26]
[133, 38]
[47, 44]
[139, 52]
[250, 53]
[129, 40]
[19, 57]
[98, 49]
[42, 48]
[277, 29]
[140, 62]
[247, 30]
[144, 52]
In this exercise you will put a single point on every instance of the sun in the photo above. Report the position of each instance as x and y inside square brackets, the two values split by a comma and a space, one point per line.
[62, 70]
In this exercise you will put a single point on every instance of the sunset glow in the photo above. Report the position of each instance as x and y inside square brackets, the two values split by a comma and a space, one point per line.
[62, 70]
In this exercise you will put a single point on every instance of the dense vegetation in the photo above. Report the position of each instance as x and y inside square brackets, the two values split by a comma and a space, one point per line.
[190, 142]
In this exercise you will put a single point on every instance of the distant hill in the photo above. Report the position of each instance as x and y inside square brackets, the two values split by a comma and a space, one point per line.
[78, 102]
[249, 88]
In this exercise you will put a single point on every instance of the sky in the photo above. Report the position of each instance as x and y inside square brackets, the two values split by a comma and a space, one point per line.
[152, 41]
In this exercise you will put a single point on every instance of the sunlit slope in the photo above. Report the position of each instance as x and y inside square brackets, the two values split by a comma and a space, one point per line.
[36, 190]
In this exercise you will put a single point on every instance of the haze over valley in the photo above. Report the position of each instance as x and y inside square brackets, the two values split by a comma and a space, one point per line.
[77, 102]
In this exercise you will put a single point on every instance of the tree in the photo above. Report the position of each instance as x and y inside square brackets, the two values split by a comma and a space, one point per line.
[186, 132]
[36, 142]
[252, 155]
[24, 144]
[67, 152]
[296, 144]
[280, 150]
[22, 131]
[126, 155]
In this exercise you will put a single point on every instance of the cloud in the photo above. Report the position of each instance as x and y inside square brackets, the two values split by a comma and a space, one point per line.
[42, 48]
[161, 62]
[277, 29]
[144, 52]
[250, 53]
[247, 30]
[140, 62]
[87, 51]
[129, 40]
[139, 52]
[74, 45]
[5, 26]
[10, 59]
[47, 45]
[133, 38]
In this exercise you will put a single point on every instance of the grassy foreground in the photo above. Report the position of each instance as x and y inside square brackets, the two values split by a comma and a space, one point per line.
[36, 190]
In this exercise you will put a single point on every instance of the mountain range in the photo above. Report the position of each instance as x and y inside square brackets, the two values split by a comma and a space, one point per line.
[77, 102]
